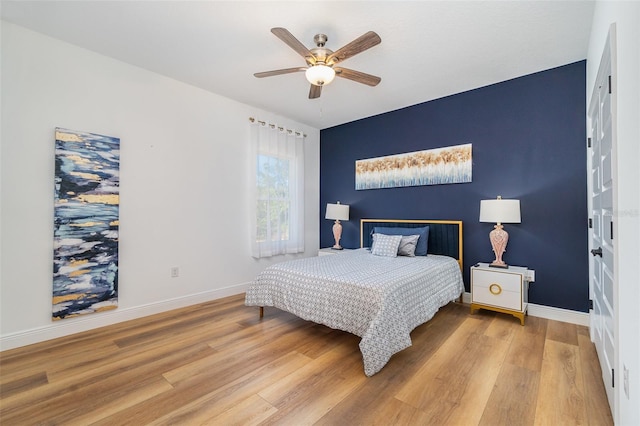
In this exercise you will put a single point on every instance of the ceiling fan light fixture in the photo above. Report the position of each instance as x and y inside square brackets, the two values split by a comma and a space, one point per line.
[320, 75]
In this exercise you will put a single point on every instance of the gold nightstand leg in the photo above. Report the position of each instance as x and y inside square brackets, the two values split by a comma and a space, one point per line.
[520, 315]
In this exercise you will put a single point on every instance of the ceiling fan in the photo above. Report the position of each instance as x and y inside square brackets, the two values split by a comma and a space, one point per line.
[321, 69]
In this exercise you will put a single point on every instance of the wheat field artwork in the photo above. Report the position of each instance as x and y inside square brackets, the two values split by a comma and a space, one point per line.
[430, 167]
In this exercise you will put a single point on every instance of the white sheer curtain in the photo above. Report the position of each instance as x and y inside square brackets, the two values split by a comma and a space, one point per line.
[276, 190]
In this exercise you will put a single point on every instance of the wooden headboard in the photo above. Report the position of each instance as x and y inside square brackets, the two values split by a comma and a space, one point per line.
[445, 236]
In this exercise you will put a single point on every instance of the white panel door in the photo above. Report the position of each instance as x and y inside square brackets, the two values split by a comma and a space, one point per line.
[603, 284]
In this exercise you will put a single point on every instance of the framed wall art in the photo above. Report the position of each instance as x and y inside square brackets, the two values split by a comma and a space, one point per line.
[429, 167]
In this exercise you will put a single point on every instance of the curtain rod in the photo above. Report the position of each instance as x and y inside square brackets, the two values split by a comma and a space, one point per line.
[273, 126]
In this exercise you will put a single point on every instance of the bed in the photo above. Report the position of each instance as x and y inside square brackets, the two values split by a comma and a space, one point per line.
[380, 298]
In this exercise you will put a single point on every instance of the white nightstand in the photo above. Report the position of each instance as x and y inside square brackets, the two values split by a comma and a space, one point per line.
[329, 251]
[501, 290]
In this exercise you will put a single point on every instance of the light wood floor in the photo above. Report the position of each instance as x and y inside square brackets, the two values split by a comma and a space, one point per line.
[218, 363]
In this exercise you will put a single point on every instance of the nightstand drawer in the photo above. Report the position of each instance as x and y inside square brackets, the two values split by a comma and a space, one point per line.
[506, 280]
[495, 295]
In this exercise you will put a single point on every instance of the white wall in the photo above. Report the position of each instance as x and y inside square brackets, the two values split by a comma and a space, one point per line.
[184, 177]
[626, 16]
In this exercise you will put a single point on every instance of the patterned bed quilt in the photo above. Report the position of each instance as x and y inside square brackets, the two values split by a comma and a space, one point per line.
[380, 299]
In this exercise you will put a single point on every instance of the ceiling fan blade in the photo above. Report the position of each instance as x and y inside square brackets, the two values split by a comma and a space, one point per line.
[360, 77]
[284, 35]
[314, 91]
[362, 43]
[278, 72]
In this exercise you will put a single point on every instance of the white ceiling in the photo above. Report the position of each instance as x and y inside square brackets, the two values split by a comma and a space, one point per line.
[429, 49]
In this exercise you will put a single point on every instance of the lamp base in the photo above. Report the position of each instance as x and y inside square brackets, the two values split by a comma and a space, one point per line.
[337, 233]
[499, 238]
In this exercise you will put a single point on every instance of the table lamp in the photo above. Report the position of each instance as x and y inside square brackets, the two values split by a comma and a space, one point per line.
[337, 212]
[499, 211]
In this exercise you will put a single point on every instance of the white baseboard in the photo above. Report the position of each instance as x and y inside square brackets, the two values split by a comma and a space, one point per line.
[558, 314]
[84, 323]
[549, 312]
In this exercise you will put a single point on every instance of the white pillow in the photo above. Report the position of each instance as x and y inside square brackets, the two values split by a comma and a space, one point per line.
[408, 245]
[386, 245]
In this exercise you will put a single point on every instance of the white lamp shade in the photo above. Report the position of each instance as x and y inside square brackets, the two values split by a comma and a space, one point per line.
[320, 75]
[337, 212]
[500, 211]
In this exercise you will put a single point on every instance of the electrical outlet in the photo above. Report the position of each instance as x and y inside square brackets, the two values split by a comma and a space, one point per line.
[175, 272]
[625, 374]
[531, 275]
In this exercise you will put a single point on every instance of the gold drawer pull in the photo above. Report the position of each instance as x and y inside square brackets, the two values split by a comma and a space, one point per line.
[495, 289]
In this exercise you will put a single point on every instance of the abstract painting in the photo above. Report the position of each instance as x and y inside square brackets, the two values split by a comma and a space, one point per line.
[86, 222]
[430, 167]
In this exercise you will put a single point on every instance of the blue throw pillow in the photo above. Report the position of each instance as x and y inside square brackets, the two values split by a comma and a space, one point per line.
[421, 247]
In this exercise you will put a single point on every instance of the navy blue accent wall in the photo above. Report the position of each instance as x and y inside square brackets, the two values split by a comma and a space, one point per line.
[528, 137]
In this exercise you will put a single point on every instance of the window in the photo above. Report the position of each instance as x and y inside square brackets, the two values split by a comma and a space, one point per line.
[273, 198]
[278, 191]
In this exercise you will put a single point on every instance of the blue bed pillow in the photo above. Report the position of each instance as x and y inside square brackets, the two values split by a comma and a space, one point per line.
[421, 247]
